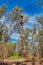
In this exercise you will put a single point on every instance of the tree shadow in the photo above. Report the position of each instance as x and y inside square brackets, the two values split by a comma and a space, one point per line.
[3, 63]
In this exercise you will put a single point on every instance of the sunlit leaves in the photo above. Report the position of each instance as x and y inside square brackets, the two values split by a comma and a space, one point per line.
[21, 9]
[15, 14]
[1, 12]
[17, 9]
[2, 9]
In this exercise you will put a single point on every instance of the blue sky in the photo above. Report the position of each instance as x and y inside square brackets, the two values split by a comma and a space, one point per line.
[30, 8]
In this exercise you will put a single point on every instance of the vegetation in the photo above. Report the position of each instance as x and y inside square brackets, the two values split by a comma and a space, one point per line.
[26, 48]
[15, 57]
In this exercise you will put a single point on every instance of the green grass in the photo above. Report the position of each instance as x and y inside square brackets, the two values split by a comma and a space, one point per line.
[15, 57]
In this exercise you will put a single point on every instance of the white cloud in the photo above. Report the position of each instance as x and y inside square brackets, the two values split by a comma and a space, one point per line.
[32, 20]
[3, 19]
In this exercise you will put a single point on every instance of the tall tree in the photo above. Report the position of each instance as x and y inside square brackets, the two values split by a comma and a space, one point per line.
[40, 20]
[15, 17]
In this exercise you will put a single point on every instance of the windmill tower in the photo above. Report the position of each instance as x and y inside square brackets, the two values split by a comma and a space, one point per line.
[22, 48]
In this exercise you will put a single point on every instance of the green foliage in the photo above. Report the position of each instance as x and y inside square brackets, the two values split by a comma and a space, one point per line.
[7, 49]
[41, 42]
[3, 51]
[40, 19]
[10, 49]
[27, 31]
[2, 9]
[0, 36]
[17, 9]
[15, 57]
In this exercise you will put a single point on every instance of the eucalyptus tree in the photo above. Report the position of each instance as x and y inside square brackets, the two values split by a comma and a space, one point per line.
[15, 17]
[34, 41]
[40, 20]
[2, 12]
